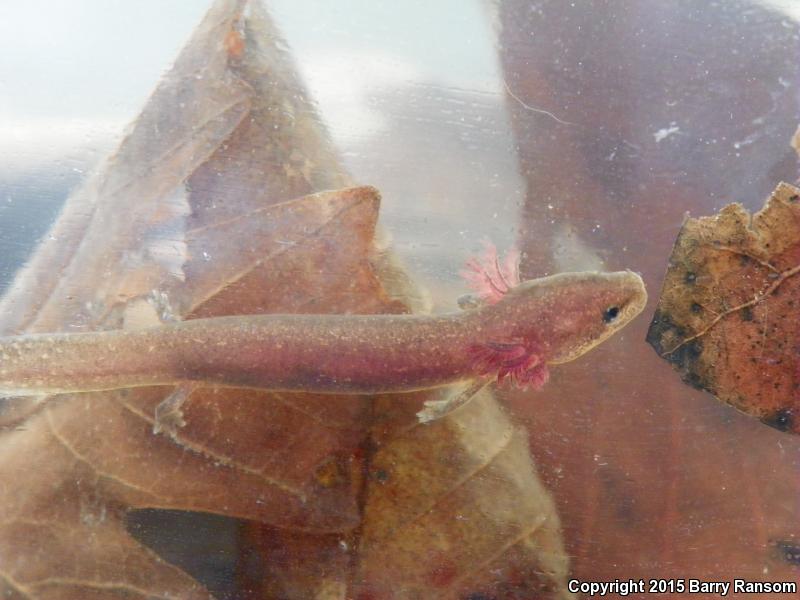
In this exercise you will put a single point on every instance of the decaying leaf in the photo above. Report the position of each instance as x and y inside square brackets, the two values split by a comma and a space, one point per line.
[223, 213]
[455, 509]
[728, 313]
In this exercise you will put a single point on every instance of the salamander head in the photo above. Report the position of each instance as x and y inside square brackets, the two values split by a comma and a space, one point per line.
[571, 313]
[522, 327]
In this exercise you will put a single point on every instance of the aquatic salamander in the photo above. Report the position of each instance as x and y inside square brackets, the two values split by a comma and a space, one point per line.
[517, 330]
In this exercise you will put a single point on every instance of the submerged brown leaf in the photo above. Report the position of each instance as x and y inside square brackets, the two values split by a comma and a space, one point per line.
[218, 215]
[729, 310]
[452, 509]
[456, 509]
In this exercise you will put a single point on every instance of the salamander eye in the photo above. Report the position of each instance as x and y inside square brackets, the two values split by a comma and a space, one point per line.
[611, 313]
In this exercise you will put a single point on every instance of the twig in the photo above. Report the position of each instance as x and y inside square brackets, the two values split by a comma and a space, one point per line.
[533, 108]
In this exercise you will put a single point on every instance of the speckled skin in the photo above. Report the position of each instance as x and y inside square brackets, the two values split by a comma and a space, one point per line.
[559, 317]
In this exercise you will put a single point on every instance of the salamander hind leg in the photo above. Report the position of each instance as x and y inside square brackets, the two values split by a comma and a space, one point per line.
[169, 413]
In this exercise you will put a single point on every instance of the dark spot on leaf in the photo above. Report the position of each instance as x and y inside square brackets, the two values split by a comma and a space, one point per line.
[690, 277]
[696, 308]
[694, 380]
[746, 313]
[781, 420]
[381, 476]
[662, 335]
[789, 551]
[685, 360]
[663, 328]
[331, 473]
[694, 349]
[478, 596]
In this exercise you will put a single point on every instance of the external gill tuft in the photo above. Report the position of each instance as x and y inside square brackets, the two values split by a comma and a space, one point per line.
[520, 365]
[488, 276]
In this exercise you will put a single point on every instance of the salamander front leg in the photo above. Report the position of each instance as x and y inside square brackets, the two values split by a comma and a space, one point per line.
[436, 409]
